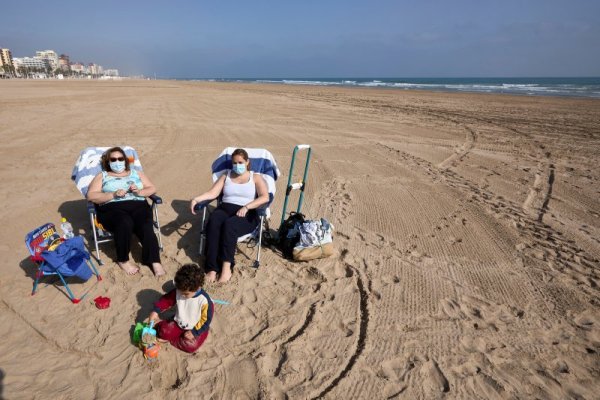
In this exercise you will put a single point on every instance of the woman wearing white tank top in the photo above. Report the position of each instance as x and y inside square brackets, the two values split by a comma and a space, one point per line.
[243, 192]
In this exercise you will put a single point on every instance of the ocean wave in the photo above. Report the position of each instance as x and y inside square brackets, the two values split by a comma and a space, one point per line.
[543, 86]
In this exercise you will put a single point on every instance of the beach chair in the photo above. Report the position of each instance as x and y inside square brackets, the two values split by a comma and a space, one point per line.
[89, 165]
[63, 258]
[261, 162]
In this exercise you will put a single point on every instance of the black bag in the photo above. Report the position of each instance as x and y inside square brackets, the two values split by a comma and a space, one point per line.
[289, 234]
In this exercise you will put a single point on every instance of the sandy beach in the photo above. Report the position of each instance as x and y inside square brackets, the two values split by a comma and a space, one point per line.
[467, 244]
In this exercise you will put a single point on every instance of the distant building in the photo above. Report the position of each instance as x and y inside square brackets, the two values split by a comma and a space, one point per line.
[63, 62]
[111, 72]
[95, 69]
[49, 55]
[30, 62]
[6, 62]
[78, 68]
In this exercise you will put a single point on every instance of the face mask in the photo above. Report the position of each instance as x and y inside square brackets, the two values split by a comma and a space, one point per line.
[239, 168]
[117, 166]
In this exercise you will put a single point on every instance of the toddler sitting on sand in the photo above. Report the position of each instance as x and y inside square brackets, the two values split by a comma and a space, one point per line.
[189, 329]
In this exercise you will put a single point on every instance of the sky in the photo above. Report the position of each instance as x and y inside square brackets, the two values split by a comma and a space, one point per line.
[313, 38]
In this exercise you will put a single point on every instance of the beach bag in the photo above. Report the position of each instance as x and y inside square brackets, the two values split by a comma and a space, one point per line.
[289, 234]
[316, 240]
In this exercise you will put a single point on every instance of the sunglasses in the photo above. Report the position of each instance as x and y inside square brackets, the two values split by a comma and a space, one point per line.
[114, 159]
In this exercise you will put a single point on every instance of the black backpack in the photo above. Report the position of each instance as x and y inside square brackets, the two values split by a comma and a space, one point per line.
[285, 240]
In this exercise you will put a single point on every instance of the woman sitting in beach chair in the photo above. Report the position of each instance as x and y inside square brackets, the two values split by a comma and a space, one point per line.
[120, 192]
[243, 192]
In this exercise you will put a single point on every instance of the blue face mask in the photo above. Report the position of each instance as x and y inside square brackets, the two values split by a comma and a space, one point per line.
[117, 166]
[239, 168]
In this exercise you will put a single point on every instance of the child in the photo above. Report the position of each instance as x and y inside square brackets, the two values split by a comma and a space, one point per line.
[189, 329]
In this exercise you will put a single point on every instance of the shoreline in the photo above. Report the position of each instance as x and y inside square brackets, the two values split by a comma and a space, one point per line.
[340, 86]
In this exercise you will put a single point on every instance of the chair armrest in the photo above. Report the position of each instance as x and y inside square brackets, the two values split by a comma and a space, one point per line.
[91, 207]
[155, 199]
[201, 205]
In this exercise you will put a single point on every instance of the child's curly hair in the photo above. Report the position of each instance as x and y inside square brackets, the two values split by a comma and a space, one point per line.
[189, 277]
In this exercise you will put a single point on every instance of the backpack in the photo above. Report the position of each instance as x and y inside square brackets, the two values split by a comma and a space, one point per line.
[288, 235]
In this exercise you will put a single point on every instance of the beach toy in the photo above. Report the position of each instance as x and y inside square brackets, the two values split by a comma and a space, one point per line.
[151, 352]
[102, 302]
[149, 334]
[137, 333]
[223, 302]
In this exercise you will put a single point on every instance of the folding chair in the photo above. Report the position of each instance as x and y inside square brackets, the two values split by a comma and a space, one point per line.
[55, 256]
[89, 165]
[261, 162]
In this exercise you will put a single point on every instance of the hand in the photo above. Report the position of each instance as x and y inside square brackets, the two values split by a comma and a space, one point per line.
[134, 189]
[154, 317]
[242, 212]
[188, 335]
[192, 204]
[120, 193]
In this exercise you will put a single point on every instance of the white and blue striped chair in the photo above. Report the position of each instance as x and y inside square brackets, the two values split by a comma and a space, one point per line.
[89, 165]
[261, 162]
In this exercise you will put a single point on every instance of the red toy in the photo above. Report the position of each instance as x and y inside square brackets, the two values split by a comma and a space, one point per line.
[102, 302]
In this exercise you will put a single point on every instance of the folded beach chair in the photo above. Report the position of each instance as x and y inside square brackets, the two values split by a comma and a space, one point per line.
[55, 256]
[89, 165]
[261, 162]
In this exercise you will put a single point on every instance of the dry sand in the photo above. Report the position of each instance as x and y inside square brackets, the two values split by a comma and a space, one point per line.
[467, 244]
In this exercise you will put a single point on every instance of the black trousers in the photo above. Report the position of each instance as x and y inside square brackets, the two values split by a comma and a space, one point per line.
[222, 231]
[122, 218]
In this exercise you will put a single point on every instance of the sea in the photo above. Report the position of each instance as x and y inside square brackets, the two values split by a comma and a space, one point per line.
[570, 87]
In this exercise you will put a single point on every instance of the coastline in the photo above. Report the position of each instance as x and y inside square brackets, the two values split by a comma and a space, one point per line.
[466, 237]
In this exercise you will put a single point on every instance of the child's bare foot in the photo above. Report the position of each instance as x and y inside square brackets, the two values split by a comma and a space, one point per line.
[225, 275]
[158, 269]
[129, 268]
[211, 277]
[161, 340]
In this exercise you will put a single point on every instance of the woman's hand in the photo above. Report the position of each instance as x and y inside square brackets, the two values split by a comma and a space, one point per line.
[242, 212]
[120, 193]
[134, 189]
[192, 205]
[188, 335]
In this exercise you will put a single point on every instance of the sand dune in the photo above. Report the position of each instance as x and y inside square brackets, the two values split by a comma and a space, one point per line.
[467, 237]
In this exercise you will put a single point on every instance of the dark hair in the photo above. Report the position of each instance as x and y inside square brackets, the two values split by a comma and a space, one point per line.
[189, 278]
[243, 153]
[106, 158]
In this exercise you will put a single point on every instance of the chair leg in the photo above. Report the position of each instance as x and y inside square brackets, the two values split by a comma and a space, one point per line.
[202, 233]
[260, 231]
[71, 296]
[95, 233]
[156, 223]
[90, 263]
[38, 275]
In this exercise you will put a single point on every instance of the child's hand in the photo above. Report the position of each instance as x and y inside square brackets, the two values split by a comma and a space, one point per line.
[188, 335]
[154, 317]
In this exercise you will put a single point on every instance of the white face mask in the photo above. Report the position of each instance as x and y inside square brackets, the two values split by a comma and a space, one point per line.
[117, 166]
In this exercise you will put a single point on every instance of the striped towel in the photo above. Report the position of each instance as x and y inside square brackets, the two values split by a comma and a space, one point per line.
[88, 165]
[261, 162]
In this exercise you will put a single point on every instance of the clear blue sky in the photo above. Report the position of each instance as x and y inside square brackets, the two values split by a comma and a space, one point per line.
[312, 38]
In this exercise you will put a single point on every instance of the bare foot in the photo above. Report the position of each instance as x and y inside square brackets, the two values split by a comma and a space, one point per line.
[210, 277]
[225, 275]
[158, 269]
[129, 268]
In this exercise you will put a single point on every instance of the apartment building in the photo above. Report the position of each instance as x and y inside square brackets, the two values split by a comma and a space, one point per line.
[6, 61]
[30, 62]
[49, 55]
[63, 62]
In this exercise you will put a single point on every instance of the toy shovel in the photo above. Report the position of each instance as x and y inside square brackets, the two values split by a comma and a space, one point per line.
[149, 333]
